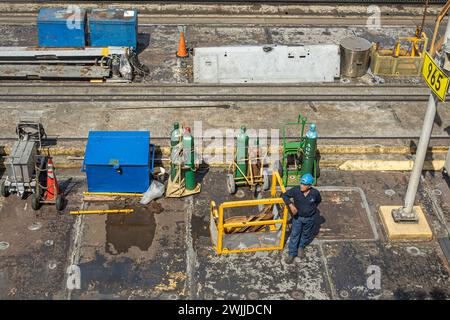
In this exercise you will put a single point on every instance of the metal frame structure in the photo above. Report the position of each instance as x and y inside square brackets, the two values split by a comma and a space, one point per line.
[95, 63]
[295, 149]
[252, 179]
[28, 144]
[218, 225]
[398, 61]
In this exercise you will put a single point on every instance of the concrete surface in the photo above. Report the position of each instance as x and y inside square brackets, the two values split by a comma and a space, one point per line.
[163, 250]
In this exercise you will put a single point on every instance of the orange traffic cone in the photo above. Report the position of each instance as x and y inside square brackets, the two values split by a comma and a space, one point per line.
[52, 185]
[182, 52]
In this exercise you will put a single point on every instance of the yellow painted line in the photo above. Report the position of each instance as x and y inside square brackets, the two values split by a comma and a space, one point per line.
[126, 211]
[388, 165]
[345, 165]
[326, 149]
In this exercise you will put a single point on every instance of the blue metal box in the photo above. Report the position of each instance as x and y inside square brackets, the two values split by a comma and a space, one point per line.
[58, 27]
[113, 27]
[119, 161]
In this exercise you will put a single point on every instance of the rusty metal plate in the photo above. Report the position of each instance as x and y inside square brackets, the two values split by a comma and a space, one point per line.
[345, 215]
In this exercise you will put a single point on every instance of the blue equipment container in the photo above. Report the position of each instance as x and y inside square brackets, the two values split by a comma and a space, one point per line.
[119, 161]
[58, 27]
[113, 27]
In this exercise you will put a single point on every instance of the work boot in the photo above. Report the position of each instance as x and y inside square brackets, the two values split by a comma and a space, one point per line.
[289, 259]
[301, 253]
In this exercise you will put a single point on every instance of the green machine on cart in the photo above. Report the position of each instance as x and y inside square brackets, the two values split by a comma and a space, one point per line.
[299, 156]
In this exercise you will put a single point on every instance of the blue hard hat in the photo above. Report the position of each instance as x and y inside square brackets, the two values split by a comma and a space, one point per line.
[307, 179]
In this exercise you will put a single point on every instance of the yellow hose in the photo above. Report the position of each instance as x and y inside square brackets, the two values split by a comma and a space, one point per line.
[102, 211]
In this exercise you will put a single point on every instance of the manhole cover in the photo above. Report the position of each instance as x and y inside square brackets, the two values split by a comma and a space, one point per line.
[240, 193]
[343, 293]
[297, 295]
[389, 192]
[35, 226]
[48, 243]
[165, 255]
[345, 80]
[4, 245]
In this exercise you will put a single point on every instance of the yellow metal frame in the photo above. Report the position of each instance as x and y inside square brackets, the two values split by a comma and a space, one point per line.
[390, 61]
[217, 215]
[251, 179]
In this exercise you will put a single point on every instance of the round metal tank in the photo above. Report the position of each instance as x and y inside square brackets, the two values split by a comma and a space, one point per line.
[355, 55]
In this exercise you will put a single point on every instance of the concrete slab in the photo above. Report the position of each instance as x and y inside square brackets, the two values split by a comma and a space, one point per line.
[344, 215]
[393, 271]
[136, 256]
[34, 265]
[405, 231]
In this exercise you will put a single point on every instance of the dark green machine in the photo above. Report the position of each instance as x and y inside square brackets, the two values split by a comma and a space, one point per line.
[300, 155]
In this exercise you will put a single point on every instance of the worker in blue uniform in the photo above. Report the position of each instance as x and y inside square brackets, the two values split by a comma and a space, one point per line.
[304, 213]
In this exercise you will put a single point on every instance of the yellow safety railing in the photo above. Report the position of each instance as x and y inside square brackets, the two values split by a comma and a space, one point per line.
[218, 226]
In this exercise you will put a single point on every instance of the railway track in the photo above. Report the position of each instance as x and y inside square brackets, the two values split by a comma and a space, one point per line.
[221, 20]
[54, 92]
[403, 2]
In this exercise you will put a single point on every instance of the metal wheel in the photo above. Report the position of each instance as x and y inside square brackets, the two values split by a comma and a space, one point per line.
[35, 202]
[4, 190]
[231, 185]
[59, 202]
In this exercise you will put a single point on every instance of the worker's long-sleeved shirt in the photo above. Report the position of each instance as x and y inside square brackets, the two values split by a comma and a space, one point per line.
[306, 205]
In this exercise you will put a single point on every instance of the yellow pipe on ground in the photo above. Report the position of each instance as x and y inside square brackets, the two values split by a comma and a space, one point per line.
[102, 211]
[113, 194]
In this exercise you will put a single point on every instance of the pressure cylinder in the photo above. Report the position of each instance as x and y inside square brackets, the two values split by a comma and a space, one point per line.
[310, 150]
[242, 152]
[174, 140]
[189, 157]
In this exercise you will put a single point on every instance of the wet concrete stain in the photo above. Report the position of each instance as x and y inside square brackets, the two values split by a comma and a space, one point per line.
[136, 229]
[123, 278]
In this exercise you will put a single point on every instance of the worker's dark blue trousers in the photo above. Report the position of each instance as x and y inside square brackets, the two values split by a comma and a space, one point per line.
[301, 233]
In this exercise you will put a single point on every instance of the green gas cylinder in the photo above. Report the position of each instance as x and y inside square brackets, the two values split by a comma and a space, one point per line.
[174, 140]
[310, 150]
[242, 152]
[189, 157]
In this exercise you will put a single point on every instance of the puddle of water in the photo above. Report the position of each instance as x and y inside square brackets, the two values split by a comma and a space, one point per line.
[136, 229]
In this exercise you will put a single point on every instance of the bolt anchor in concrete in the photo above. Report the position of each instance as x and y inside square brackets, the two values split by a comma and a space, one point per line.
[401, 215]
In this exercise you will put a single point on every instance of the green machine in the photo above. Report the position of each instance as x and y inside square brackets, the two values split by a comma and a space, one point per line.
[299, 156]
